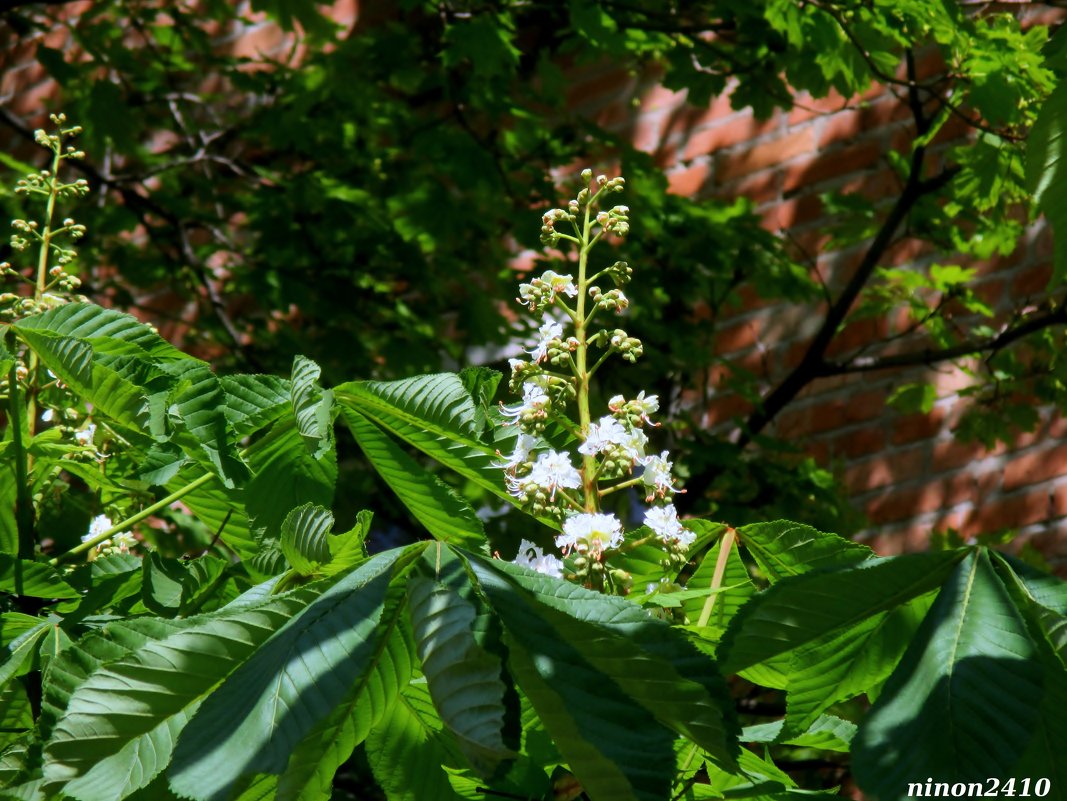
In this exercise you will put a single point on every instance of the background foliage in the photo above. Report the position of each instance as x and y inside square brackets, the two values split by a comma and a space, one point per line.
[339, 220]
[359, 201]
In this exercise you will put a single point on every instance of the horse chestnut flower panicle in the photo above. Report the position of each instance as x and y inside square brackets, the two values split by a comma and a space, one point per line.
[611, 448]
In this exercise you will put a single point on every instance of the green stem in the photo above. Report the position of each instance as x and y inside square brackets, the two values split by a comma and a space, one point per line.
[39, 289]
[725, 547]
[137, 518]
[589, 466]
[23, 495]
[630, 482]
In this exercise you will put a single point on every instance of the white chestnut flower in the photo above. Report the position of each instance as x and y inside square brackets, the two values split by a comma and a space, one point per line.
[524, 445]
[657, 475]
[603, 436]
[590, 532]
[553, 470]
[534, 400]
[663, 520]
[47, 415]
[123, 541]
[633, 444]
[97, 526]
[639, 407]
[550, 330]
[85, 436]
[533, 557]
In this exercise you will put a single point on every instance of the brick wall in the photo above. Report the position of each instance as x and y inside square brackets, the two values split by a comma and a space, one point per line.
[907, 473]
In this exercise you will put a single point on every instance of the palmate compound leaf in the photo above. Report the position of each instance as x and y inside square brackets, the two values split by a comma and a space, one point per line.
[309, 775]
[104, 355]
[972, 696]
[286, 475]
[782, 548]
[464, 679]
[219, 509]
[846, 664]
[409, 750]
[119, 700]
[34, 579]
[312, 407]
[305, 537]
[608, 681]
[804, 610]
[1048, 629]
[261, 712]
[435, 414]
[446, 515]
[196, 404]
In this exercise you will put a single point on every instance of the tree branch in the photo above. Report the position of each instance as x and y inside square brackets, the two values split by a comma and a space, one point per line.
[931, 356]
[813, 363]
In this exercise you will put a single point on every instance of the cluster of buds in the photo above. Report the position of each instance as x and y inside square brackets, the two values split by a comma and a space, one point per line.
[618, 341]
[611, 452]
[541, 292]
[615, 220]
[50, 284]
[613, 300]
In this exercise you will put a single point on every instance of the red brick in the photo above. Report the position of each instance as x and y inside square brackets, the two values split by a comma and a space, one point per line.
[264, 40]
[1033, 281]
[29, 102]
[726, 407]
[827, 166]
[614, 116]
[1035, 467]
[599, 88]
[793, 422]
[951, 454]
[1016, 511]
[689, 181]
[687, 119]
[900, 504]
[844, 411]
[855, 444]
[900, 539]
[865, 121]
[767, 154]
[726, 133]
[857, 334]
[913, 427]
[790, 213]
[809, 107]
[737, 336]
[759, 188]
[885, 470]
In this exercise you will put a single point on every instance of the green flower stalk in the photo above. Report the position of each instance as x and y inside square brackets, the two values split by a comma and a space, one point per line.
[612, 449]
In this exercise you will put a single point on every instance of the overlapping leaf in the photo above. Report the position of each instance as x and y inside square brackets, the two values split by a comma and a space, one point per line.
[966, 700]
[309, 775]
[252, 723]
[444, 514]
[436, 415]
[411, 734]
[463, 678]
[566, 642]
[118, 723]
[783, 548]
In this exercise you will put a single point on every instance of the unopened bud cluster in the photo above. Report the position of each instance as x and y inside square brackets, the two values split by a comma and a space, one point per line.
[612, 452]
[51, 278]
[49, 283]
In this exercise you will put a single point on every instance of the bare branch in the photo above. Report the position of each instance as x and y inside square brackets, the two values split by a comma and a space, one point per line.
[931, 356]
